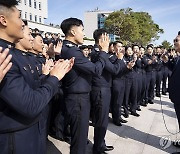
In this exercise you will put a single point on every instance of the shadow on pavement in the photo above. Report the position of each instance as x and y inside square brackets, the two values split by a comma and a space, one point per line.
[166, 112]
[143, 137]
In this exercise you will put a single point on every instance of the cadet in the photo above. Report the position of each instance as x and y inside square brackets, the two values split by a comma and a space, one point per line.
[130, 85]
[101, 92]
[151, 62]
[118, 88]
[139, 78]
[77, 83]
[21, 102]
[159, 72]
[165, 73]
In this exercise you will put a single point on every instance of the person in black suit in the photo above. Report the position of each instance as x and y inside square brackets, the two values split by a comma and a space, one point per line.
[174, 84]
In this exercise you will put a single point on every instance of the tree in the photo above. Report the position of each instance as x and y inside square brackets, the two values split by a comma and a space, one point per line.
[135, 27]
[166, 44]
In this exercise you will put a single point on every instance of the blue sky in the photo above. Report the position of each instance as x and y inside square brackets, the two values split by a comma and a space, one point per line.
[165, 13]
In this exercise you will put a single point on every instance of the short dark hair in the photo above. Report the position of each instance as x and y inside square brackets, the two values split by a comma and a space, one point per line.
[134, 45]
[150, 46]
[82, 47]
[25, 22]
[111, 43]
[128, 46]
[179, 33]
[8, 3]
[34, 35]
[97, 33]
[116, 42]
[68, 23]
[90, 47]
[36, 29]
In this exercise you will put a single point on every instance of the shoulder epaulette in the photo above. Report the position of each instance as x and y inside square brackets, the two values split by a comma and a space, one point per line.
[96, 49]
[70, 45]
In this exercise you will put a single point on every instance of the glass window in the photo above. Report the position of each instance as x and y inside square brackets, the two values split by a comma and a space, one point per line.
[40, 19]
[30, 3]
[25, 15]
[39, 5]
[35, 18]
[35, 4]
[30, 16]
[20, 11]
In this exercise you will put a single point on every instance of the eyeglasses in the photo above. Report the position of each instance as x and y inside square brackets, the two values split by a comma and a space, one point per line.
[176, 40]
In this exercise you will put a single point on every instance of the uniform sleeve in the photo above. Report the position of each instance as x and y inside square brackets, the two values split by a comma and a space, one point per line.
[83, 64]
[113, 68]
[18, 95]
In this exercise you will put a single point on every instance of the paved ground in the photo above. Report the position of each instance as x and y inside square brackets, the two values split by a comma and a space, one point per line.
[141, 135]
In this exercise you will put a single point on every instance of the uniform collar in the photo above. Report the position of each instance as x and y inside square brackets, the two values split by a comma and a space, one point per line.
[6, 44]
[96, 47]
[31, 54]
[21, 52]
[67, 42]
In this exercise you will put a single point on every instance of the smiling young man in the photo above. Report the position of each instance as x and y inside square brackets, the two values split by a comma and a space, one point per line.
[77, 83]
[22, 99]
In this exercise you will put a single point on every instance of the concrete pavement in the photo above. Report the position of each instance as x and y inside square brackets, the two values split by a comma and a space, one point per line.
[140, 135]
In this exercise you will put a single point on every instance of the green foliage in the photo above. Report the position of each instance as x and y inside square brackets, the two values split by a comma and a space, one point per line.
[166, 44]
[136, 27]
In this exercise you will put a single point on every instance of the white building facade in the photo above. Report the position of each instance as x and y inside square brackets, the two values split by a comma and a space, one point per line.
[35, 12]
[94, 20]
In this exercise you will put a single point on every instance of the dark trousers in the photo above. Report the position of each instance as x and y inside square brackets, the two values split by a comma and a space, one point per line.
[139, 88]
[77, 114]
[101, 97]
[28, 141]
[151, 80]
[130, 94]
[144, 85]
[177, 110]
[164, 80]
[117, 98]
[159, 76]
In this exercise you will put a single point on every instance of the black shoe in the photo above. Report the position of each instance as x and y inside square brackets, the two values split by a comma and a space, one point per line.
[126, 115]
[164, 93]
[146, 102]
[135, 114]
[143, 104]
[138, 109]
[122, 120]
[150, 102]
[117, 123]
[158, 95]
[176, 144]
[108, 148]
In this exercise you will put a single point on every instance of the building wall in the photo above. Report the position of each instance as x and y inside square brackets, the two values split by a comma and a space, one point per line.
[92, 21]
[38, 11]
[28, 7]
[45, 28]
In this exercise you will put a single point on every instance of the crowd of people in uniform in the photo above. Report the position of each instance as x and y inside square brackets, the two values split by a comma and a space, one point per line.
[58, 88]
